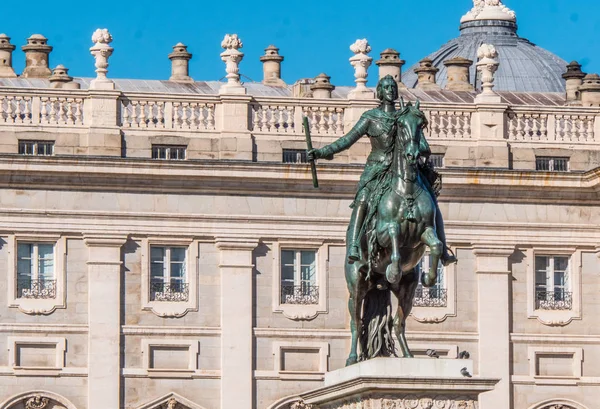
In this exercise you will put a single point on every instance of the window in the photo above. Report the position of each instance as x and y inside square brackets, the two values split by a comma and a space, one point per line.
[299, 277]
[437, 160]
[435, 296]
[168, 274]
[552, 286]
[35, 270]
[294, 156]
[168, 152]
[36, 148]
[553, 164]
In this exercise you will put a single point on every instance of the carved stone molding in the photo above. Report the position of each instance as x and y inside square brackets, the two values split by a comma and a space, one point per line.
[36, 402]
[400, 402]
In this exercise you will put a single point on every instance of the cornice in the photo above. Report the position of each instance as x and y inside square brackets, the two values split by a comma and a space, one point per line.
[276, 179]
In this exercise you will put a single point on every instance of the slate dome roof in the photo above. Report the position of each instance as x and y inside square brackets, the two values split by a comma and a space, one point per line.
[524, 67]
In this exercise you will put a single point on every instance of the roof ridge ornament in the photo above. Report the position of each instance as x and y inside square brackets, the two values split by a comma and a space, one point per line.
[489, 10]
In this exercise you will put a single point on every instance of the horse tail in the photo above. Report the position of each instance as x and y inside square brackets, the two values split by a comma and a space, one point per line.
[375, 335]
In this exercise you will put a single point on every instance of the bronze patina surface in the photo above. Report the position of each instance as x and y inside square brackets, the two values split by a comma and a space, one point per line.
[395, 218]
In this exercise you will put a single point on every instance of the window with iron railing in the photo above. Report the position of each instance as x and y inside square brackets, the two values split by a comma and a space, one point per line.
[168, 152]
[552, 283]
[36, 148]
[35, 270]
[299, 277]
[436, 295]
[552, 164]
[294, 156]
[168, 280]
[437, 160]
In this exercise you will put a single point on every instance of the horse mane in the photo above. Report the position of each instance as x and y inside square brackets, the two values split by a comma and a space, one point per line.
[413, 110]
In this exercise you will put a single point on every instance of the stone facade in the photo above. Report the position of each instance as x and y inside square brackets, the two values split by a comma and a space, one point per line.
[146, 240]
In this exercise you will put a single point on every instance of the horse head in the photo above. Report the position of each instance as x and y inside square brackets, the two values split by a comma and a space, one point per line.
[412, 121]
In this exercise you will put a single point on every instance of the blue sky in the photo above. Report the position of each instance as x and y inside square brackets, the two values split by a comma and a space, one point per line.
[313, 36]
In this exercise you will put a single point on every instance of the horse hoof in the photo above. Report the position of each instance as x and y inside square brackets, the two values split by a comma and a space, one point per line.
[392, 275]
[352, 359]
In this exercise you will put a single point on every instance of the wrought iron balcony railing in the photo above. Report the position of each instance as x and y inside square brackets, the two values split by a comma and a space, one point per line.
[39, 289]
[174, 292]
[553, 300]
[299, 294]
[430, 297]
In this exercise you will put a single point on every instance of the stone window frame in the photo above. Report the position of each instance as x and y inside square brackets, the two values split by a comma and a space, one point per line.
[299, 312]
[434, 315]
[38, 306]
[576, 353]
[555, 317]
[168, 152]
[193, 351]
[280, 346]
[59, 344]
[170, 309]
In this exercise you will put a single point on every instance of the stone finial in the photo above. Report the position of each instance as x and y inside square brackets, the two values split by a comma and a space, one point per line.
[180, 60]
[458, 74]
[426, 73]
[101, 50]
[272, 67]
[322, 86]
[590, 91]
[37, 56]
[232, 56]
[361, 63]
[489, 10]
[391, 64]
[574, 79]
[6, 50]
[487, 65]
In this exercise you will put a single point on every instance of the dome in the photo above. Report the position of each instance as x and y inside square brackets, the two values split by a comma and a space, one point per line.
[523, 66]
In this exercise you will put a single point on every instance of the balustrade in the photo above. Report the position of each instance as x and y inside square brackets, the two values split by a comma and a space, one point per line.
[273, 118]
[16, 109]
[446, 124]
[194, 115]
[527, 126]
[186, 115]
[61, 111]
[325, 120]
[574, 128]
[142, 114]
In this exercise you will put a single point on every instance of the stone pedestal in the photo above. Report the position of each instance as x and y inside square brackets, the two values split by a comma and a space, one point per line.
[396, 383]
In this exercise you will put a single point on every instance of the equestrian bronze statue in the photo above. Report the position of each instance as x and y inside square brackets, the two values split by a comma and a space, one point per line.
[395, 217]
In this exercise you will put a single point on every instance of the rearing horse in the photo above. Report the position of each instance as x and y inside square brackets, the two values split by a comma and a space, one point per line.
[404, 225]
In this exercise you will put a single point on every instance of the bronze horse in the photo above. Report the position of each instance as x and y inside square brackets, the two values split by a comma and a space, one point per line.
[392, 249]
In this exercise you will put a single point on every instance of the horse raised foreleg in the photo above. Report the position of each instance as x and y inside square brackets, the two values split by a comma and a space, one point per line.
[405, 293]
[429, 237]
[393, 273]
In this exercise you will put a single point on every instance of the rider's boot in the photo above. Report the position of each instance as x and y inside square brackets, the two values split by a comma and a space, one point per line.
[447, 256]
[360, 210]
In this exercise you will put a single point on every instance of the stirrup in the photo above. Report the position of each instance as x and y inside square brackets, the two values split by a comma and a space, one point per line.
[448, 257]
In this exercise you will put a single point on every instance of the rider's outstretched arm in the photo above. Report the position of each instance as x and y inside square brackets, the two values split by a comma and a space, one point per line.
[345, 141]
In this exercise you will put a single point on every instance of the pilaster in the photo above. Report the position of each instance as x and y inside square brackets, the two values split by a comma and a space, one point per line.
[493, 287]
[104, 283]
[101, 113]
[236, 322]
[489, 124]
[233, 119]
